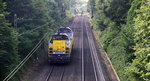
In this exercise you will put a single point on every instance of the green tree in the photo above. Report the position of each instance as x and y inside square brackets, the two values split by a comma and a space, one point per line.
[17, 42]
[111, 19]
[92, 4]
[3, 21]
[9, 57]
[140, 68]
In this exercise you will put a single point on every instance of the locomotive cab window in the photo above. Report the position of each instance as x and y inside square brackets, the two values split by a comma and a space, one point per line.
[59, 37]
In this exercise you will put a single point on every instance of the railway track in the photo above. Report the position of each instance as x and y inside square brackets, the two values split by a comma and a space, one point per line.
[48, 78]
[82, 52]
[96, 63]
[91, 54]
[49, 74]
[85, 36]
[62, 74]
[85, 64]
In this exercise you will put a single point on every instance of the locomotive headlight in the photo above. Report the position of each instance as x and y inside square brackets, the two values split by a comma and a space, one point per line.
[50, 44]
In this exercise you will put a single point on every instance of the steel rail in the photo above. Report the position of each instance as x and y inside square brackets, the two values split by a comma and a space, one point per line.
[98, 63]
[91, 54]
[51, 71]
[91, 42]
[49, 74]
[62, 74]
[96, 59]
[82, 52]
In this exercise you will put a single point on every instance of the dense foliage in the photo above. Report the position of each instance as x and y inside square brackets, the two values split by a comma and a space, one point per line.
[140, 68]
[8, 50]
[3, 21]
[8, 44]
[124, 30]
[23, 23]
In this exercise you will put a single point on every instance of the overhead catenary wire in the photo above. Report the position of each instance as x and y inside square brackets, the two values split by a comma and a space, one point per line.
[25, 59]
[33, 29]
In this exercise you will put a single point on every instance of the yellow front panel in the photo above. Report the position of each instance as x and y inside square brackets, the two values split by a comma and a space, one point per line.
[59, 45]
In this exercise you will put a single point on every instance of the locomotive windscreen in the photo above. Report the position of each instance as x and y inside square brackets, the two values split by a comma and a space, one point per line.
[60, 37]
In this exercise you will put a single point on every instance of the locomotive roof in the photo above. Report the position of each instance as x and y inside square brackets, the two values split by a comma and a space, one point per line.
[64, 30]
